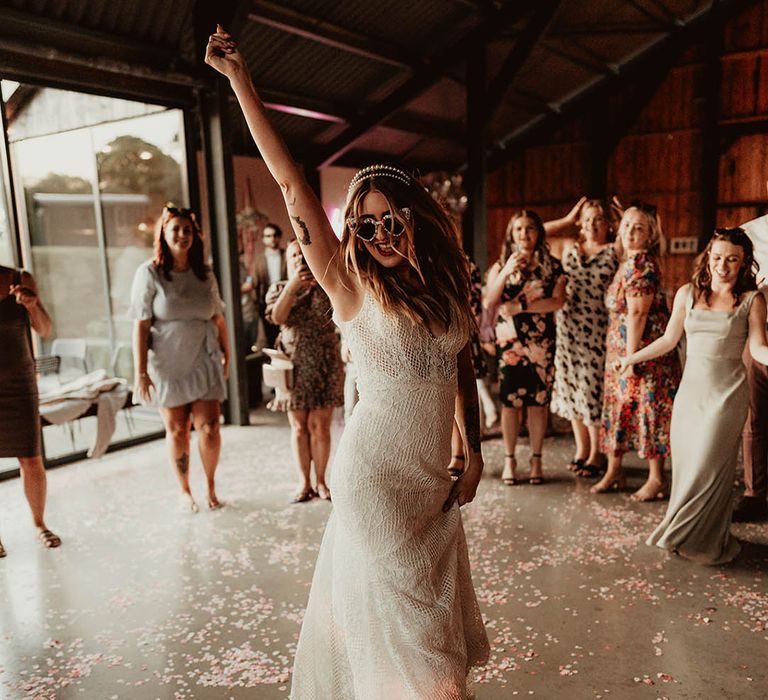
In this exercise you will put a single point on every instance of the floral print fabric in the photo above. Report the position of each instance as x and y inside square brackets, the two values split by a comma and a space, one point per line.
[637, 409]
[525, 342]
[309, 338]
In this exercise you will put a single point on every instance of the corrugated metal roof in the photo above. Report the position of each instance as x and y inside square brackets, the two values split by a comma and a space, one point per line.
[320, 56]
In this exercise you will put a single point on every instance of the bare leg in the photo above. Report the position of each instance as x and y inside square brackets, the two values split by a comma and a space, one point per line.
[510, 429]
[486, 402]
[177, 428]
[35, 489]
[581, 437]
[207, 418]
[302, 452]
[319, 422]
[614, 476]
[537, 429]
[594, 443]
[655, 487]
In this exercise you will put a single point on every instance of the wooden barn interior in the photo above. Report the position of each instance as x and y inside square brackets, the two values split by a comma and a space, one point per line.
[505, 104]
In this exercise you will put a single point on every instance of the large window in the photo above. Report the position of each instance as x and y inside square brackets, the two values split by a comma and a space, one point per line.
[91, 175]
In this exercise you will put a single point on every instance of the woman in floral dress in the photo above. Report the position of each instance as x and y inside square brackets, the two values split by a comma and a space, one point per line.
[637, 408]
[308, 336]
[528, 285]
[590, 263]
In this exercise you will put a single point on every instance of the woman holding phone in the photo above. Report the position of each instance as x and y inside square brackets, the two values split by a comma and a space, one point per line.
[307, 335]
[529, 286]
[20, 309]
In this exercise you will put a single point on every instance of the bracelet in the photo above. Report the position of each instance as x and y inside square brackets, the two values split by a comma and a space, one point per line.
[523, 302]
[460, 457]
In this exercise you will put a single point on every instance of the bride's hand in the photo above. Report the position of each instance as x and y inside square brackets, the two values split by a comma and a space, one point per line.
[464, 488]
[222, 54]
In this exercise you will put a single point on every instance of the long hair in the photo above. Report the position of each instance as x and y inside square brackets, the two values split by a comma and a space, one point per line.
[163, 259]
[541, 255]
[747, 278]
[432, 253]
[657, 244]
[608, 215]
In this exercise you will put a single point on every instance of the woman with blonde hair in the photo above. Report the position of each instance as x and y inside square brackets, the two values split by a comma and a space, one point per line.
[392, 611]
[528, 285]
[180, 346]
[637, 408]
[719, 311]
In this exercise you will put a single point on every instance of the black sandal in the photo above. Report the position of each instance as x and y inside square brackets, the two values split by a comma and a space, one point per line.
[575, 465]
[304, 495]
[590, 471]
[536, 479]
[457, 471]
[509, 480]
[3, 553]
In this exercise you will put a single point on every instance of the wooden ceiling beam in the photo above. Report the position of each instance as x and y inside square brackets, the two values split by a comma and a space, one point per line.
[534, 30]
[680, 36]
[424, 78]
[316, 29]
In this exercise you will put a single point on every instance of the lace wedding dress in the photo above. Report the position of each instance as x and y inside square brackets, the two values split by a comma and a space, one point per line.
[392, 613]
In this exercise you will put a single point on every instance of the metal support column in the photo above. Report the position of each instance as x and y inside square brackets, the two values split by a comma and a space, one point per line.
[221, 206]
[476, 215]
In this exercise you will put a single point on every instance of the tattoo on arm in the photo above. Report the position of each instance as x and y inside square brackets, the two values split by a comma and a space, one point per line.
[182, 464]
[472, 424]
[303, 236]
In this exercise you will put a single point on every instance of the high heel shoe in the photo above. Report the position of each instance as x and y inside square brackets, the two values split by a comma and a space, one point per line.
[536, 477]
[508, 475]
[575, 465]
[610, 482]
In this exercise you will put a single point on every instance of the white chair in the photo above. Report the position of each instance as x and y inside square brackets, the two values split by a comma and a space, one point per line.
[72, 350]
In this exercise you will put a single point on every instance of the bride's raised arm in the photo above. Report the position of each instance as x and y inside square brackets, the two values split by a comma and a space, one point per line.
[313, 230]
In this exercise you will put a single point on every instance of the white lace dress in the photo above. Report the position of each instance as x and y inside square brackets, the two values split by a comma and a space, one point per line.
[392, 613]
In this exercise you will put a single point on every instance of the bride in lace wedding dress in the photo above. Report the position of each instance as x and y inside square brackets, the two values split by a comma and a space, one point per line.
[392, 612]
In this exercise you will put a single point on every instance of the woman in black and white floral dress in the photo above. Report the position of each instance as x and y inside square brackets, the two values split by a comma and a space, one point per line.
[582, 323]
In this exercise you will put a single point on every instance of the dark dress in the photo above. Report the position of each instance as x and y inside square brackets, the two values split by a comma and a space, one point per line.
[309, 338]
[525, 343]
[476, 304]
[19, 415]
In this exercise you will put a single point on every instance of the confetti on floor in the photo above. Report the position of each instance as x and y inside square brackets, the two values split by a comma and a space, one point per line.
[144, 601]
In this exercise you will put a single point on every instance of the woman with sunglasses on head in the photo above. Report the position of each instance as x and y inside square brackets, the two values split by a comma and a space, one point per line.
[180, 346]
[392, 611]
[719, 311]
[637, 408]
[307, 335]
[528, 286]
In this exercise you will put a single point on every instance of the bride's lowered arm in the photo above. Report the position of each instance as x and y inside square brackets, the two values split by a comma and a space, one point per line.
[313, 230]
[468, 420]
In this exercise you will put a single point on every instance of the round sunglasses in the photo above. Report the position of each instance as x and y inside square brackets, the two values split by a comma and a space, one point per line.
[366, 226]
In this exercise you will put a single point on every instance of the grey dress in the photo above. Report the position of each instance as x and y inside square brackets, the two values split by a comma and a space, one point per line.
[707, 418]
[185, 359]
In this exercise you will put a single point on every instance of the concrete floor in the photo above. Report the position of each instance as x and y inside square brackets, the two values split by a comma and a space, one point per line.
[143, 601]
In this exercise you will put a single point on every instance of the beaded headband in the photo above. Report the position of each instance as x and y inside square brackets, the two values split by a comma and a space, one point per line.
[373, 171]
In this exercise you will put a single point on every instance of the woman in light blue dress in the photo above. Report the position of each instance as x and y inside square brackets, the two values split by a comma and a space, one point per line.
[720, 311]
[180, 347]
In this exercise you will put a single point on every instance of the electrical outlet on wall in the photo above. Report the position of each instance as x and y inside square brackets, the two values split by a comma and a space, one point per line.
[683, 245]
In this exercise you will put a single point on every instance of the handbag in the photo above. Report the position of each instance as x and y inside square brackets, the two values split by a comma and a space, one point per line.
[278, 374]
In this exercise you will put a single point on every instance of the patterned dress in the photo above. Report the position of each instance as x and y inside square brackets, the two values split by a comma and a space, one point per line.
[309, 338]
[582, 325]
[525, 343]
[637, 409]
